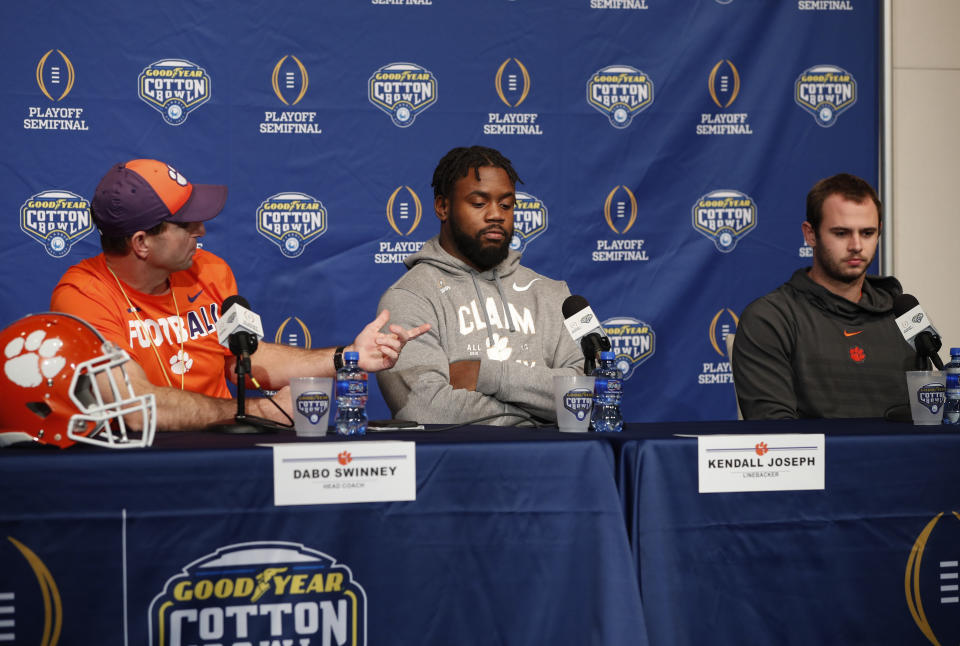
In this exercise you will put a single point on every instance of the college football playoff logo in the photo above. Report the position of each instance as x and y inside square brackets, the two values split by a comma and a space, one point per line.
[56, 73]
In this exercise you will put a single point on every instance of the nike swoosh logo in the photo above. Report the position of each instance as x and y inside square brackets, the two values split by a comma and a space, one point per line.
[845, 333]
[517, 288]
[194, 297]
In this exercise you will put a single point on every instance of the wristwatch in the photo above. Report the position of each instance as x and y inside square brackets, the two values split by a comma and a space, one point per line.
[338, 357]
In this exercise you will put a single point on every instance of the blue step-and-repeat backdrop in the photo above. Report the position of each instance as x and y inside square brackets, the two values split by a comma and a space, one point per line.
[665, 147]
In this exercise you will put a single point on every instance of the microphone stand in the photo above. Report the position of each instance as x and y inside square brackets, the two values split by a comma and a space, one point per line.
[243, 425]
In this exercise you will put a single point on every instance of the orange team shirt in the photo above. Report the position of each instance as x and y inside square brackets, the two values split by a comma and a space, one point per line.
[89, 290]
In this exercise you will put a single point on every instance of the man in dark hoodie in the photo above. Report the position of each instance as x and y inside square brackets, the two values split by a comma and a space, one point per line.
[825, 344]
[497, 336]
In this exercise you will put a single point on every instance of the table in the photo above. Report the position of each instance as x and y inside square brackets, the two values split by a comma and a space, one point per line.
[799, 567]
[508, 542]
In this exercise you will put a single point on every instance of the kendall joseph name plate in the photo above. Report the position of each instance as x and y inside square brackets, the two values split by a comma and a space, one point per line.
[322, 473]
[729, 463]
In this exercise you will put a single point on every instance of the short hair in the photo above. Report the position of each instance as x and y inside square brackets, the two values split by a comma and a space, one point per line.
[458, 162]
[120, 245]
[850, 187]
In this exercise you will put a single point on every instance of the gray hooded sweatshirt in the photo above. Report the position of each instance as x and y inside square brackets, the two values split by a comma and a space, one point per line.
[802, 351]
[508, 318]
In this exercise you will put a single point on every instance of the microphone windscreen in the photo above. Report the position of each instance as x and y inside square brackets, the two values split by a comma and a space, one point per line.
[904, 303]
[236, 299]
[574, 304]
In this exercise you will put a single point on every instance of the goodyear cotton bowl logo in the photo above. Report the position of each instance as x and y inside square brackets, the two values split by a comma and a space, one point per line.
[529, 220]
[578, 401]
[293, 332]
[725, 216]
[291, 221]
[723, 324]
[56, 219]
[175, 88]
[932, 396]
[31, 610]
[260, 593]
[402, 90]
[632, 340]
[620, 92]
[825, 91]
[931, 579]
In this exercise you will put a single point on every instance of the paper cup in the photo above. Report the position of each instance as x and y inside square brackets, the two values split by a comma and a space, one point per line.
[573, 400]
[927, 392]
[311, 404]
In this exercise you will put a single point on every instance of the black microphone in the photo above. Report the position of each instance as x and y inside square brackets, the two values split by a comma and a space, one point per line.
[238, 328]
[917, 329]
[584, 326]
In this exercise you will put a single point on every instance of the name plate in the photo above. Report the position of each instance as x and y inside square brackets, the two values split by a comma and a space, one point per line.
[325, 473]
[729, 463]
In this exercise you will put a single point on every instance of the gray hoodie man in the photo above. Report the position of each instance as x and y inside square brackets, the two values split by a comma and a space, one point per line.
[508, 318]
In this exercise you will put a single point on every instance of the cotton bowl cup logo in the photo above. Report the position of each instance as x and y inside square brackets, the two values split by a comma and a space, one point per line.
[404, 207]
[620, 92]
[289, 80]
[932, 396]
[52, 75]
[633, 342]
[512, 82]
[529, 220]
[825, 91]
[56, 219]
[313, 405]
[175, 88]
[291, 221]
[725, 216]
[402, 90]
[578, 401]
[260, 593]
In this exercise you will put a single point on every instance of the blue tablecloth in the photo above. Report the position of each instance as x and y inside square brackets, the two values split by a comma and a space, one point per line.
[800, 567]
[516, 542]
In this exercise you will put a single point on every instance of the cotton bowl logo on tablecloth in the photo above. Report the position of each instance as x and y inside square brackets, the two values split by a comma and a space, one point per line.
[825, 91]
[620, 92]
[260, 593]
[291, 221]
[174, 88]
[725, 216]
[57, 220]
[402, 90]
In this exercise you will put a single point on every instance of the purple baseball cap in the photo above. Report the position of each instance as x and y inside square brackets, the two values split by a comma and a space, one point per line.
[140, 194]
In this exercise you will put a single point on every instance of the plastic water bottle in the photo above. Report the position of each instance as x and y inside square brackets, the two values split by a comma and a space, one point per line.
[951, 409]
[351, 397]
[607, 391]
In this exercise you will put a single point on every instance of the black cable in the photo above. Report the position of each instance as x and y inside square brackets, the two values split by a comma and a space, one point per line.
[524, 416]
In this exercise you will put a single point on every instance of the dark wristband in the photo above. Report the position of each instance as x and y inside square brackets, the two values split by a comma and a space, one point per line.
[338, 357]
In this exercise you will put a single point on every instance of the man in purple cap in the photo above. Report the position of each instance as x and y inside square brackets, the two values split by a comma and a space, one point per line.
[153, 293]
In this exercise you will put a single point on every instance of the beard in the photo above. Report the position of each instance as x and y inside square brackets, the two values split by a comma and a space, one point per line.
[835, 269]
[482, 254]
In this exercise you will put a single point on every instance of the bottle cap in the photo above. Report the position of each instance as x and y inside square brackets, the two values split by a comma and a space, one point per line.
[606, 354]
[351, 356]
[954, 351]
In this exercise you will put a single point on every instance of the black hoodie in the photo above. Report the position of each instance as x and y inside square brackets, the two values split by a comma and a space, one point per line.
[803, 351]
